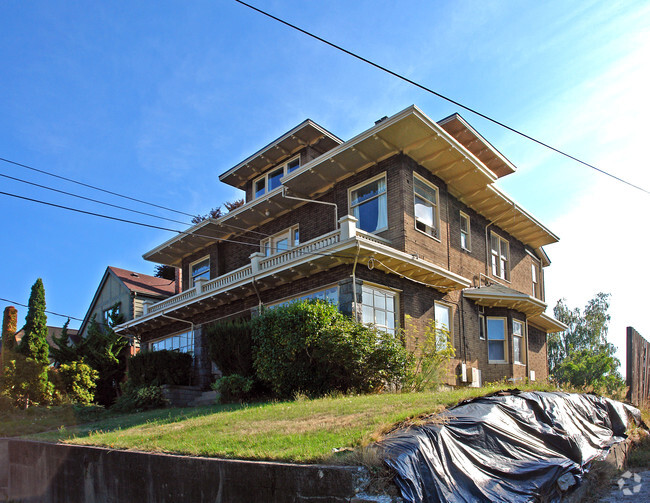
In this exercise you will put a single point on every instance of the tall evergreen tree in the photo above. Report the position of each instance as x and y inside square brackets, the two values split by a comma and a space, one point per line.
[9, 324]
[34, 342]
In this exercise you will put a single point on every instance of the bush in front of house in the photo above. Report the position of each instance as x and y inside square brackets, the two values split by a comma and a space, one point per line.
[230, 346]
[234, 388]
[77, 382]
[156, 368]
[139, 398]
[311, 347]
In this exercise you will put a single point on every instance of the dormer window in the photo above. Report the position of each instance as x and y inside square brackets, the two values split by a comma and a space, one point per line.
[271, 180]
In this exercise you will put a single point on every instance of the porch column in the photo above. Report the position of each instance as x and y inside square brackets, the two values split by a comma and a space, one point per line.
[348, 225]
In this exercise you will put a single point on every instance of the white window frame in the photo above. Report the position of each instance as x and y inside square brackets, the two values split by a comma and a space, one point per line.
[376, 307]
[285, 171]
[193, 278]
[521, 338]
[435, 230]
[450, 328]
[467, 233]
[363, 184]
[504, 340]
[498, 257]
[189, 346]
[268, 246]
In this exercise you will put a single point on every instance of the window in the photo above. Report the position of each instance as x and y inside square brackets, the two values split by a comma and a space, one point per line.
[281, 242]
[481, 327]
[271, 180]
[378, 308]
[330, 295]
[368, 205]
[200, 269]
[534, 271]
[517, 340]
[425, 206]
[183, 343]
[496, 334]
[500, 257]
[464, 232]
[107, 313]
[442, 315]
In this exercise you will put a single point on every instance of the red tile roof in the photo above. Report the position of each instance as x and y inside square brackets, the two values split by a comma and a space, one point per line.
[143, 283]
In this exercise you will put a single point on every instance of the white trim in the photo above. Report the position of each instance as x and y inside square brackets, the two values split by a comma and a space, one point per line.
[363, 184]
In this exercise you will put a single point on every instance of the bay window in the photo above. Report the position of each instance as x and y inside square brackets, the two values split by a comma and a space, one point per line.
[368, 204]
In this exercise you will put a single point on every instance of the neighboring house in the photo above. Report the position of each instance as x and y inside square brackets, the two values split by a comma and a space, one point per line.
[403, 219]
[51, 333]
[129, 291]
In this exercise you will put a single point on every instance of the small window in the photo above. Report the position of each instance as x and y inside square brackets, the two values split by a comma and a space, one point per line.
[378, 308]
[280, 242]
[425, 206]
[442, 315]
[500, 257]
[369, 205]
[496, 334]
[271, 180]
[464, 232]
[107, 313]
[481, 327]
[296, 237]
[536, 292]
[517, 340]
[293, 165]
[200, 269]
[260, 187]
[274, 178]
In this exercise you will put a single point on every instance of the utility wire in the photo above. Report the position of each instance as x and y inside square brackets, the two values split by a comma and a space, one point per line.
[446, 98]
[48, 312]
[109, 192]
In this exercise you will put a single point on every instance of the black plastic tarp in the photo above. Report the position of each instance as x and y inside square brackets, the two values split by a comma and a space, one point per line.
[507, 447]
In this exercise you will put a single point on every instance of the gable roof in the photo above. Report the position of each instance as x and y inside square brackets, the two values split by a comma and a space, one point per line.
[143, 283]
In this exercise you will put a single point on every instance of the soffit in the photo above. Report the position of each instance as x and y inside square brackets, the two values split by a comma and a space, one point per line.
[547, 323]
[306, 133]
[501, 296]
[467, 136]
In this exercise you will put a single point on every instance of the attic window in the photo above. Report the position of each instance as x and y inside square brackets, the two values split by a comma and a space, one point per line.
[271, 180]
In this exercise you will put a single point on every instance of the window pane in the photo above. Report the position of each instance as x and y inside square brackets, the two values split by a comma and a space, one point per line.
[517, 328]
[442, 314]
[260, 187]
[296, 237]
[424, 211]
[424, 190]
[496, 329]
[463, 240]
[463, 223]
[367, 314]
[496, 351]
[368, 191]
[281, 245]
[494, 243]
[380, 317]
[295, 164]
[516, 349]
[274, 178]
[380, 300]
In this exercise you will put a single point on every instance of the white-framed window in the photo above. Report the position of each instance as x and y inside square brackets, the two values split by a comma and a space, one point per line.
[329, 294]
[535, 275]
[500, 256]
[368, 203]
[496, 337]
[182, 342]
[271, 180]
[425, 202]
[517, 341]
[378, 308]
[107, 313]
[200, 269]
[281, 242]
[465, 238]
[481, 327]
[442, 316]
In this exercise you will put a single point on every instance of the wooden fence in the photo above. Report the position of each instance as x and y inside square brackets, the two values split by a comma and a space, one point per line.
[638, 368]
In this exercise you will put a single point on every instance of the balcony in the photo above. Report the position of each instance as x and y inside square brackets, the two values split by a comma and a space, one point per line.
[345, 245]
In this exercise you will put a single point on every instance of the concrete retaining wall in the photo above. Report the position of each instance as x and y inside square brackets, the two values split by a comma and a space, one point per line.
[37, 471]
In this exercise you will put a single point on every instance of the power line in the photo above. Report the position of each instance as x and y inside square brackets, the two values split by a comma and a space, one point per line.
[48, 312]
[446, 98]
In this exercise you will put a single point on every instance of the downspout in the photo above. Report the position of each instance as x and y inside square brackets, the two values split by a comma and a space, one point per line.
[336, 208]
[354, 284]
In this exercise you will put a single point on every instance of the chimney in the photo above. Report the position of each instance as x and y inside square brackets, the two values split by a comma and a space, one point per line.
[178, 280]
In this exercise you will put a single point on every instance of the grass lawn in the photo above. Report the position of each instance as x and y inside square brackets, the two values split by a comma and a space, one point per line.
[300, 431]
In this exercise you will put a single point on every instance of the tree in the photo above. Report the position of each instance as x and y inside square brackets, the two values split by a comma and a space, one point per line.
[63, 352]
[34, 342]
[233, 205]
[165, 272]
[216, 212]
[9, 324]
[581, 355]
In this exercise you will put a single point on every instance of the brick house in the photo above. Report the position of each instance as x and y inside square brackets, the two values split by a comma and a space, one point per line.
[403, 219]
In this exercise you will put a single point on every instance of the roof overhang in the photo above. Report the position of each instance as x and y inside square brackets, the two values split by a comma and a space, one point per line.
[467, 136]
[304, 134]
[506, 297]
[547, 323]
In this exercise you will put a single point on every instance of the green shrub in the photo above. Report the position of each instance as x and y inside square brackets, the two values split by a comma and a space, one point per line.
[160, 367]
[25, 381]
[230, 346]
[233, 388]
[139, 398]
[310, 347]
[78, 382]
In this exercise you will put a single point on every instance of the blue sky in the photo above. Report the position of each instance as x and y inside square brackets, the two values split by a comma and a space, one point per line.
[156, 99]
